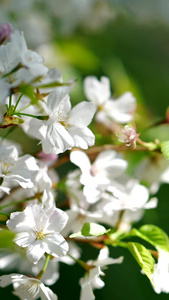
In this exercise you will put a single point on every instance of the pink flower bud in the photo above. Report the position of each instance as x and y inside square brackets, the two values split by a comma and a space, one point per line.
[5, 31]
[49, 158]
[128, 135]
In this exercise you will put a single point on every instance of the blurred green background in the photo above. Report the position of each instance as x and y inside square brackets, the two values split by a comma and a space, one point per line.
[128, 41]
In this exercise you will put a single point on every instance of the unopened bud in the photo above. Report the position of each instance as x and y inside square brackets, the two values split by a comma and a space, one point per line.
[128, 135]
[47, 157]
[5, 32]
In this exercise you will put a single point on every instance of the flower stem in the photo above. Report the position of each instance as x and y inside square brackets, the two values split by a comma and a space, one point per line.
[44, 267]
[81, 263]
[18, 102]
[10, 101]
[32, 116]
[16, 202]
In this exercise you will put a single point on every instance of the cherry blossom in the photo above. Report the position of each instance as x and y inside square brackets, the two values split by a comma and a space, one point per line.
[65, 128]
[39, 230]
[92, 279]
[17, 169]
[27, 287]
[97, 176]
[160, 277]
[119, 110]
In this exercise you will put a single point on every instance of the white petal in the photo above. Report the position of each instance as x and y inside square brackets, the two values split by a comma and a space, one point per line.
[21, 221]
[122, 109]
[8, 279]
[152, 203]
[87, 293]
[57, 140]
[56, 220]
[24, 239]
[46, 293]
[97, 91]
[37, 129]
[36, 250]
[80, 159]
[56, 96]
[82, 114]
[83, 137]
[57, 246]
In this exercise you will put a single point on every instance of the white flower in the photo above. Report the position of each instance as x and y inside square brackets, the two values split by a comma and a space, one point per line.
[130, 195]
[97, 176]
[160, 277]
[27, 288]
[97, 91]
[19, 64]
[39, 229]
[92, 278]
[65, 128]
[120, 110]
[18, 169]
[16, 52]
[16, 260]
[126, 195]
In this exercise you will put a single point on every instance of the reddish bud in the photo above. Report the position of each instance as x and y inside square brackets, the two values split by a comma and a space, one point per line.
[5, 32]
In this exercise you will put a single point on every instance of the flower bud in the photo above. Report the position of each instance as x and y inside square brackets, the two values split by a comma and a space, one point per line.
[47, 157]
[5, 32]
[128, 135]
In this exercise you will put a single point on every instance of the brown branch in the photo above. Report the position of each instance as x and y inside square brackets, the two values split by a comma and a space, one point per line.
[94, 151]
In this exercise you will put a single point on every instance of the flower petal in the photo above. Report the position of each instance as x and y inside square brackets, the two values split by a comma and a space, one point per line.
[56, 220]
[36, 250]
[56, 245]
[56, 96]
[97, 91]
[83, 137]
[82, 114]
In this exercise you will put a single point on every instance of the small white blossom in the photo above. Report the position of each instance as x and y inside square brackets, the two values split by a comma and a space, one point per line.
[126, 195]
[97, 176]
[16, 260]
[65, 128]
[27, 288]
[160, 277]
[120, 110]
[19, 64]
[39, 229]
[17, 169]
[16, 52]
[92, 278]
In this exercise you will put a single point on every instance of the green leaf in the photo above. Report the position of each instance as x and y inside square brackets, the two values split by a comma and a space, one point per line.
[6, 238]
[165, 149]
[153, 235]
[90, 229]
[55, 84]
[143, 257]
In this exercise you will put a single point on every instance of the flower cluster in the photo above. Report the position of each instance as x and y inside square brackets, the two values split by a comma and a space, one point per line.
[101, 199]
